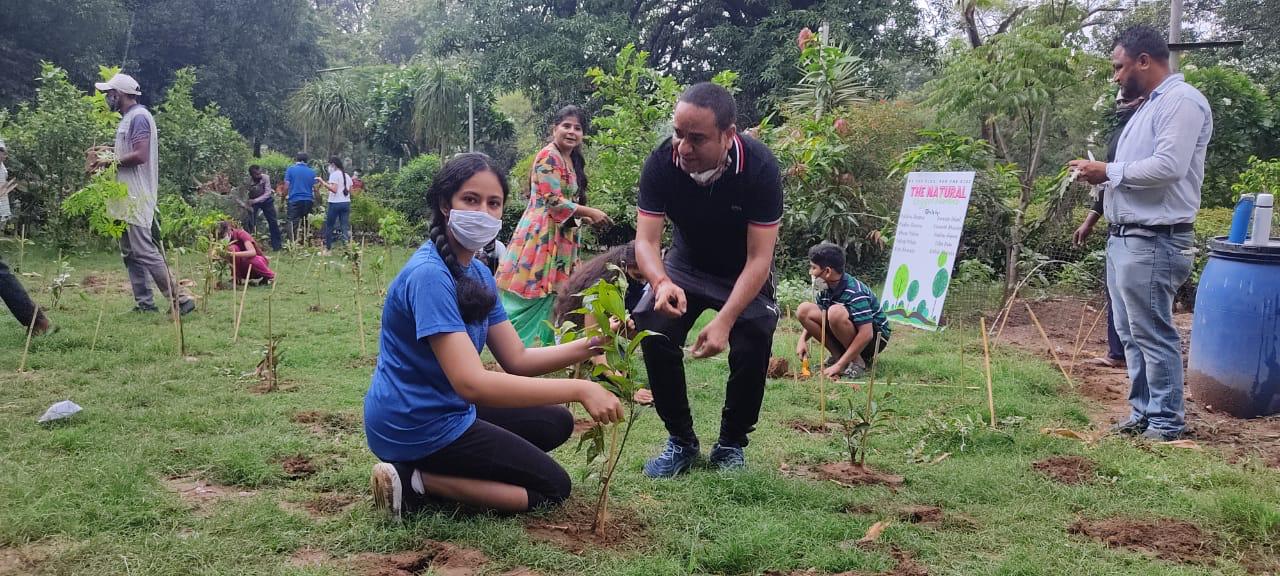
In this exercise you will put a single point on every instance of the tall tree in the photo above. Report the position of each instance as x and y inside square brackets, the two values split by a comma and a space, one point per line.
[76, 35]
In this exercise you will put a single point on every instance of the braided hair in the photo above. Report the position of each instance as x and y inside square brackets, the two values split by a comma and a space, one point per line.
[475, 301]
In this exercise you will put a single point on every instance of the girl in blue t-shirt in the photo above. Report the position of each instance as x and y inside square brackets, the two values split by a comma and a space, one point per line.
[445, 427]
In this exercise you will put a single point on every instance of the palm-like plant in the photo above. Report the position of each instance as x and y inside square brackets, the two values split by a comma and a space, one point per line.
[329, 106]
[437, 108]
[833, 78]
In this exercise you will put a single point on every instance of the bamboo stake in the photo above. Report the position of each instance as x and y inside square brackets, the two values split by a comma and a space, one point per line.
[364, 351]
[919, 384]
[1048, 343]
[31, 328]
[1008, 310]
[102, 307]
[22, 248]
[1075, 346]
[1080, 345]
[174, 306]
[986, 356]
[243, 296]
[822, 373]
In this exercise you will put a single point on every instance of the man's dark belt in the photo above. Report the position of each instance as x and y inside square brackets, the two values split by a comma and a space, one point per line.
[1118, 229]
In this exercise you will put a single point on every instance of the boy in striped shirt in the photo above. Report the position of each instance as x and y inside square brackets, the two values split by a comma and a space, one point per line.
[857, 329]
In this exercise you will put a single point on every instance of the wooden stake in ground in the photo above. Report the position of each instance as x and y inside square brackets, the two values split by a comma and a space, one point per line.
[1089, 334]
[822, 373]
[1075, 345]
[22, 248]
[986, 357]
[235, 336]
[1008, 310]
[174, 306]
[31, 328]
[364, 351]
[102, 307]
[1049, 343]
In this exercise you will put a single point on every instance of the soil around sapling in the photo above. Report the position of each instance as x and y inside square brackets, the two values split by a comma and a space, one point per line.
[845, 474]
[569, 528]
[437, 558]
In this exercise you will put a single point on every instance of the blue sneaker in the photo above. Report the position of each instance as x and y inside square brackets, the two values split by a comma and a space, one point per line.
[728, 457]
[676, 458]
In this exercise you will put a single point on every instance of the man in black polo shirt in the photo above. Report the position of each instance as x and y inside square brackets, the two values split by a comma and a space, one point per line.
[723, 193]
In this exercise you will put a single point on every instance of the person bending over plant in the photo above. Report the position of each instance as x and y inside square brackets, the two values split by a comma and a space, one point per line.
[244, 255]
[444, 426]
[853, 316]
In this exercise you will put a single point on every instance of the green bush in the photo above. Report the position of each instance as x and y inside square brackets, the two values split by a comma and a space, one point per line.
[274, 163]
[196, 144]
[409, 193]
[47, 140]
[182, 223]
[1240, 125]
[366, 212]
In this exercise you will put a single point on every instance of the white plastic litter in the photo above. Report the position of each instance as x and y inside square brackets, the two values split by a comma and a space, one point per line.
[63, 409]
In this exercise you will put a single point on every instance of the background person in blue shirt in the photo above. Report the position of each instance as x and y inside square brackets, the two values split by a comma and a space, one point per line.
[445, 427]
[1152, 197]
[300, 178]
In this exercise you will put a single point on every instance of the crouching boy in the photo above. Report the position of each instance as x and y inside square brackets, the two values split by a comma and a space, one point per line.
[857, 329]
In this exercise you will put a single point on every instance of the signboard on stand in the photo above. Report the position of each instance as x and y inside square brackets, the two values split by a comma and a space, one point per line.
[924, 247]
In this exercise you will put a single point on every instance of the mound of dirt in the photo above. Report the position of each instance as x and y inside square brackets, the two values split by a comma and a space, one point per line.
[1164, 538]
[200, 495]
[298, 466]
[569, 528]
[438, 558]
[906, 566]
[920, 514]
[324, 423]
[806, 427]
[845, 474]
[778, 367]
[1066, 469]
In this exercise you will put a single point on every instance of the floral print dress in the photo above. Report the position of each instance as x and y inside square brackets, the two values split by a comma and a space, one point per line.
[542, 251]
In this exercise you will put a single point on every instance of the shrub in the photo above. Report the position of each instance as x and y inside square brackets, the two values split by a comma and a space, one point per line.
[196, 144]
[1240, 123]
[366, 212]
[408, 194]
[274, 163]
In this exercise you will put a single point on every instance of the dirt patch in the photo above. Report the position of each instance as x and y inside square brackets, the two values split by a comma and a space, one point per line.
[569, 528]
[437, 558]
[297, 466]
[920, 514]
[905, 565]
[806, 427]
[845, 474]
[99, 283]
[331, 504]
[27, 558]
[201, 496]
[1066, 469]
[778, 367]
[1167, 539]
[1108, 388]
[309, 558]
[326, 424]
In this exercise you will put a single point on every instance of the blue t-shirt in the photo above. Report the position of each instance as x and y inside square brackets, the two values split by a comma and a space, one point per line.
[300, 178]
[411, 409]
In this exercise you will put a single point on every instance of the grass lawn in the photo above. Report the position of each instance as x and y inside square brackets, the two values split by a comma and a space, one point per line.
[177, 467]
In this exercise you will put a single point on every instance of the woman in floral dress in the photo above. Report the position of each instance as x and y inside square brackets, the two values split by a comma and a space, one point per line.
[544, 245]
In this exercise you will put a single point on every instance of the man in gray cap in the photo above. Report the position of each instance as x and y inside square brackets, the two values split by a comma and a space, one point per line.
[137, 161]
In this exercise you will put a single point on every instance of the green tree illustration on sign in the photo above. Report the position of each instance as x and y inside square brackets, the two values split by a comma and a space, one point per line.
[913, 290]
[900, 279]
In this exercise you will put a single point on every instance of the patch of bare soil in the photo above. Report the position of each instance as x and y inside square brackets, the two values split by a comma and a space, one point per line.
[1108, 388]
[1066, 469]
[844, 473]
[905, 566]
[309, 558]
[569, 528]
[1167, 539]
[778, 367]
[27, 558]
[200, 495]
[298, 466]
[437, 558]
[322, 423]
[916, 514]
[806, 427]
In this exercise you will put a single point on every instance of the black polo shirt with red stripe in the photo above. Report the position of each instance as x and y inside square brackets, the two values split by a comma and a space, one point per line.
[711, 221]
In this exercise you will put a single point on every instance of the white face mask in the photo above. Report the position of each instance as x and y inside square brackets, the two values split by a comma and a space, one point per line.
[819, 285]
[473, 229]
[706, 177]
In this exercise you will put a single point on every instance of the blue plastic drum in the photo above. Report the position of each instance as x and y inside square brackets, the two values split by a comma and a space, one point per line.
[1235, 343]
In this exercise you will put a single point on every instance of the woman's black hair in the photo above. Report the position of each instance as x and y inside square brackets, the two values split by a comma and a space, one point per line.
[475, 301]
[589, 273]
[337, 163]
[579, 161]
